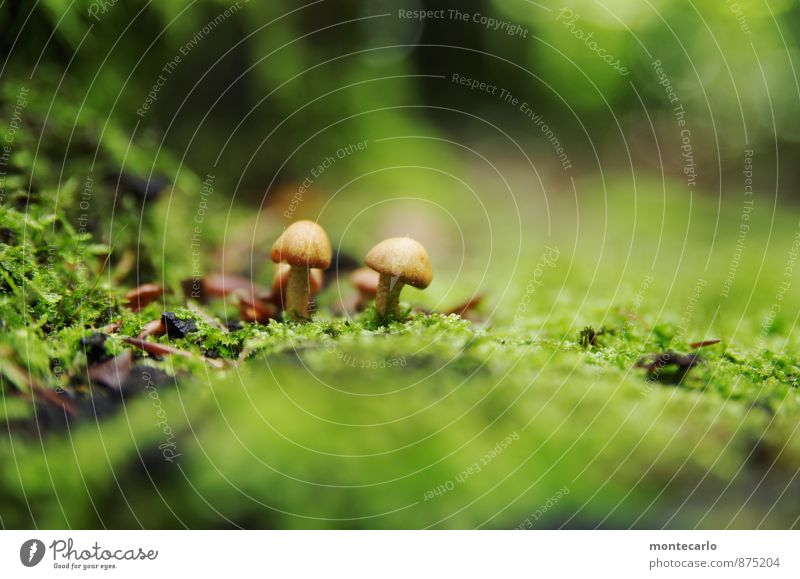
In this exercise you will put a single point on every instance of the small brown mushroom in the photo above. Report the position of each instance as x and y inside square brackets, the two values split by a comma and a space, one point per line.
[280, 281]
[304, 245]
[399, 261]
[365, 280]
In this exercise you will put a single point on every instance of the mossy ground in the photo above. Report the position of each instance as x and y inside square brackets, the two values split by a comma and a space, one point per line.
[523, 420]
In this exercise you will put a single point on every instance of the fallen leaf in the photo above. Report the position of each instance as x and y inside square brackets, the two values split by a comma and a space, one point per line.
[704, 343]
[164, 350]
[656, 364]
[113, 373]
[144, 294]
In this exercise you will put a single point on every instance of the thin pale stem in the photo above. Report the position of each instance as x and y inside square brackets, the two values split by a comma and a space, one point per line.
[388, 296]
[297, 291]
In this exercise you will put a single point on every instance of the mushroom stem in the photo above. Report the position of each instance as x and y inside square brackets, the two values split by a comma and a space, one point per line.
[388, 295]
[297, 290]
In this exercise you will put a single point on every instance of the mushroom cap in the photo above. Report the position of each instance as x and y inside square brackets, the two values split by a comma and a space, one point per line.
[303, 243]
[365, 280]
[403, 258]
[281, 277]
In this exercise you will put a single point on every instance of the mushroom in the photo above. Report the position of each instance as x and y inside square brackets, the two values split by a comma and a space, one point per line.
[280, 281]
[303, 245]
[365, 280]
[399, 261]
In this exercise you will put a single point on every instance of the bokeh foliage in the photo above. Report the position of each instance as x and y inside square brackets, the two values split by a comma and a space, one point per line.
[318, 428]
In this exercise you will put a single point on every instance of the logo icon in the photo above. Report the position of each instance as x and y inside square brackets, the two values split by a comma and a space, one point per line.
[32, 552]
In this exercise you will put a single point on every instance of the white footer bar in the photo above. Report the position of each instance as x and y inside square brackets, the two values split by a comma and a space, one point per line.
[354, 554]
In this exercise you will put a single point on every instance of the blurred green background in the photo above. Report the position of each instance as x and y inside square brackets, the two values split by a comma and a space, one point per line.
[263, 89]
[259, 95]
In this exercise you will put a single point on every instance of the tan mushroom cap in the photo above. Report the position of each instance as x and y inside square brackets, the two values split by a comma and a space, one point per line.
[303, 243]
[403, 258]
[365, 280]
